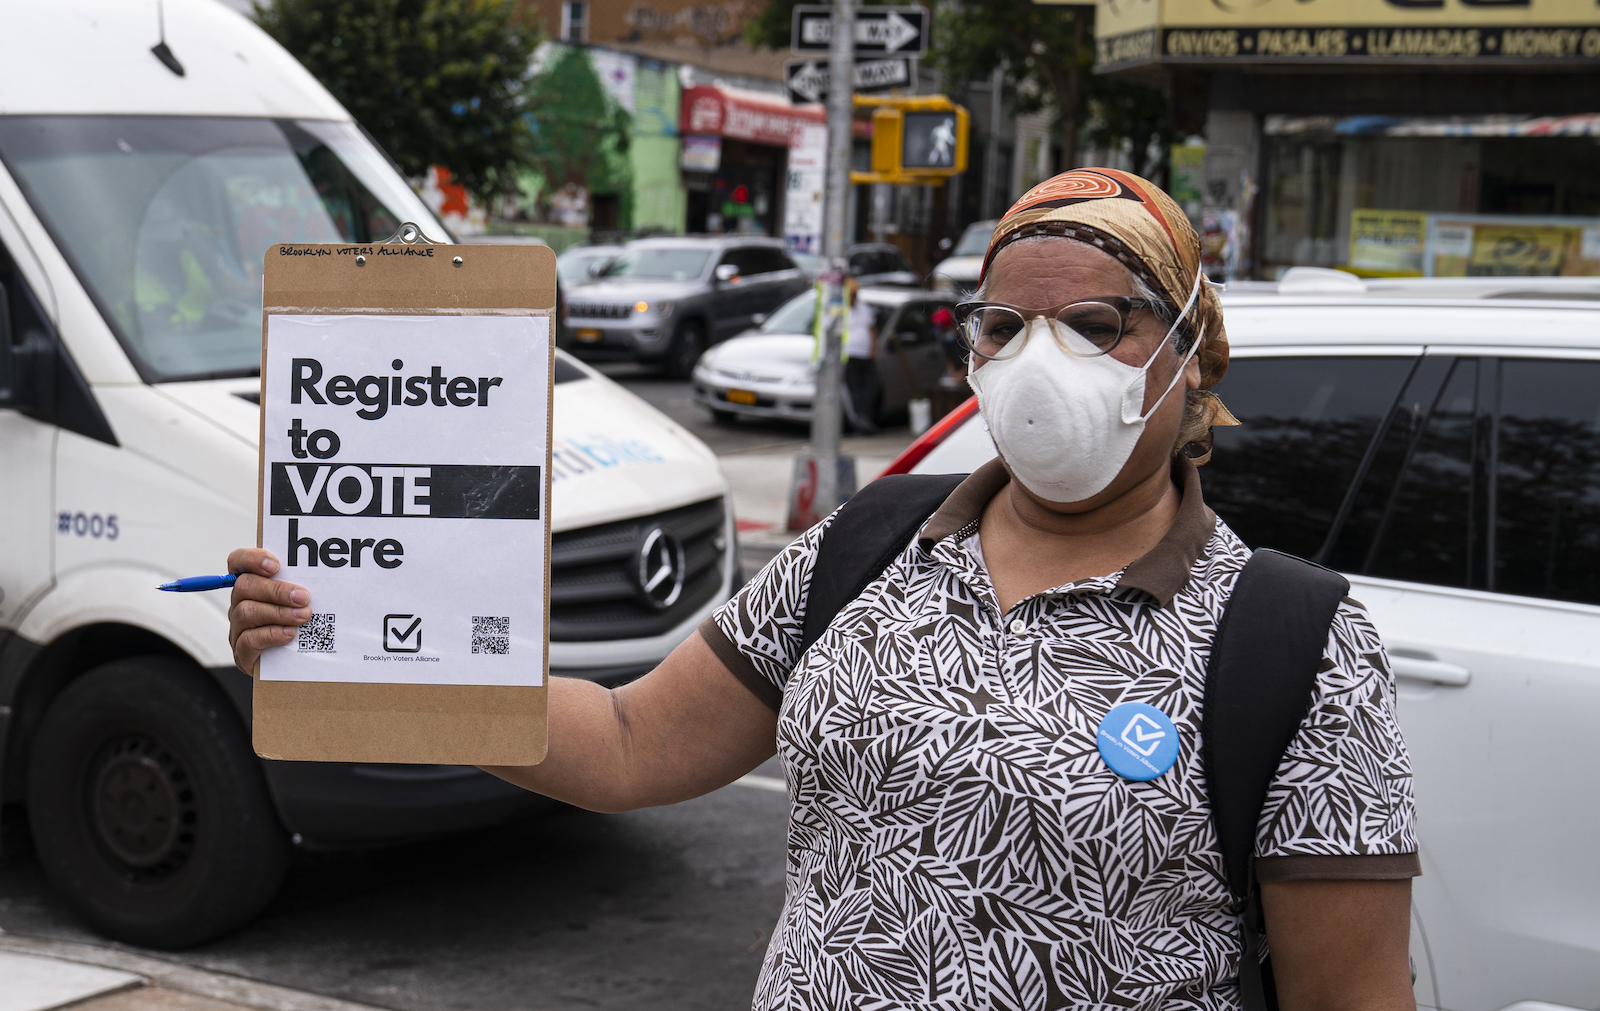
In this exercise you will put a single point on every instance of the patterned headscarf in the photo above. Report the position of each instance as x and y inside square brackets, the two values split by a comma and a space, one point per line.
[1131, 219]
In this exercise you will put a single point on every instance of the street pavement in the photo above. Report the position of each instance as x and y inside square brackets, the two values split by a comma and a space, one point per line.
[665, 909]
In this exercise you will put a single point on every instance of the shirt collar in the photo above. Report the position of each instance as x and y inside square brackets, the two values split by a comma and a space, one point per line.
[1161, 572]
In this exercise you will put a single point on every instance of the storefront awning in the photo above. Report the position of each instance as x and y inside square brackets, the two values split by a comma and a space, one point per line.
[720, 111]
[1134, 33]
[1586, 125]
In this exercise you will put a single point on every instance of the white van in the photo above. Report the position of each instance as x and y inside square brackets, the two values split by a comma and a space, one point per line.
[1438, 442]
[135, 206]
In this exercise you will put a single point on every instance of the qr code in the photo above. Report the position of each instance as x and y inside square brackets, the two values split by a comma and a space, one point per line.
[491, 635]
[316, 635]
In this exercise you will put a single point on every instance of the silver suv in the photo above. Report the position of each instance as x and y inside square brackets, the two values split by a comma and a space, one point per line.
[664, 301]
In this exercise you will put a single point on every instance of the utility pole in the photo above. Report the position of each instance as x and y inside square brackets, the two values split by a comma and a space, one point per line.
[991, 151]
[825, 407]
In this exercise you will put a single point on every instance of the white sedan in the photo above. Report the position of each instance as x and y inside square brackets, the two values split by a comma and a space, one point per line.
[770, 371]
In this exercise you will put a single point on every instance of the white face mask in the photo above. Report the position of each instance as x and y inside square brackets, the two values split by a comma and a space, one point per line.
[1068, 423]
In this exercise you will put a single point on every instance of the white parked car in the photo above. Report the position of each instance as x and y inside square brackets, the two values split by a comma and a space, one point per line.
[135, 208]
[769, 371]
[1438, 442]
[957, 274]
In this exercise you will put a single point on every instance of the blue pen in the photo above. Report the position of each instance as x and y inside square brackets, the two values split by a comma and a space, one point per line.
[193, 584]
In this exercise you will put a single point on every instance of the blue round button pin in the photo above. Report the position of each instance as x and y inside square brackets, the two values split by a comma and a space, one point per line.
[1138, 741]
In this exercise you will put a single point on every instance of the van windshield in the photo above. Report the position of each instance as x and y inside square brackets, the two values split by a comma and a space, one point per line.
[166, 219]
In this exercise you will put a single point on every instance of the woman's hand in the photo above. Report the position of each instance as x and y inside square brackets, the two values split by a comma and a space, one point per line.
[263, 611]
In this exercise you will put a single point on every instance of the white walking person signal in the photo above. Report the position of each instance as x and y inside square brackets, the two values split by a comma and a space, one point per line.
[943, 139]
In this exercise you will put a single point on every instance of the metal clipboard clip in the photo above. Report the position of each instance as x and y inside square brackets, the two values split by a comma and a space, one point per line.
[410, 234]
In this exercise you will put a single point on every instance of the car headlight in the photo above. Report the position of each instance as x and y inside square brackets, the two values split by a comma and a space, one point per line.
[659, 308]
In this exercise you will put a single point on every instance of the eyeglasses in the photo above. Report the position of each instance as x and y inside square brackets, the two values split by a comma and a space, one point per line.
[994, 330]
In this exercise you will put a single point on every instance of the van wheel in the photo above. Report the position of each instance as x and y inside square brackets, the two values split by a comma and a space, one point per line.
[687, 346]
[148, 807]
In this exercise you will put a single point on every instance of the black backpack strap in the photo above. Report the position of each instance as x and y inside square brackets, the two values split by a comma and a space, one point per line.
[868, 533]
[1264, 662]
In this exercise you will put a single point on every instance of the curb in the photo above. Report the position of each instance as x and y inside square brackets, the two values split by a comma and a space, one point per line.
[181, 978]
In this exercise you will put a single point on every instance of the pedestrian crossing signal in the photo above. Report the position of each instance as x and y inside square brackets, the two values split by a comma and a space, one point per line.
[917, 140]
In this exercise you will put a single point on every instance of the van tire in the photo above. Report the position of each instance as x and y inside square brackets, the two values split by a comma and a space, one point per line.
[687, 346]
[148, 807]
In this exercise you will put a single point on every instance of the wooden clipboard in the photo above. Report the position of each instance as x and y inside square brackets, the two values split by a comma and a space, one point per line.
[406, 723]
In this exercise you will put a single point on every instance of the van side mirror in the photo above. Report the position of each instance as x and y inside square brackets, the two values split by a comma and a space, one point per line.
[727, 273]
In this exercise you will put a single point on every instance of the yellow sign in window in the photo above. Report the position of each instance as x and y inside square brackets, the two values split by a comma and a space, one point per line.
[1518, 251]
[1387, 243]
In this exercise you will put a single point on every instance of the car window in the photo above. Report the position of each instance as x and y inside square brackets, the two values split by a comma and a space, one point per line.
[659, 264]
[1547, 489]
[913, 321]
[890, 261]
[975, 240]
[1424, 531]
[768, 260]
[745, 258]
[753, 260]
[793, 316]
[1279, 478]
[574, 265]
[860, 263]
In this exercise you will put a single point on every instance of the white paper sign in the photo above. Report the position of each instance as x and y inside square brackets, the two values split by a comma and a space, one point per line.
[403, 484]
[802, 224]
[1452, 240]
[1591, 244]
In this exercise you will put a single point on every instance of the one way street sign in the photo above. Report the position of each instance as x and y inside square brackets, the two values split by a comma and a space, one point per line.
[902, 31]
[808, 80]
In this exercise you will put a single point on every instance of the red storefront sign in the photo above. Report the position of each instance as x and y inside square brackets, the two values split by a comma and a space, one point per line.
[746, 115]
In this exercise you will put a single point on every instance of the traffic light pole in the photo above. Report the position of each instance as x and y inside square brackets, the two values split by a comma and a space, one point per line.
[825, 407]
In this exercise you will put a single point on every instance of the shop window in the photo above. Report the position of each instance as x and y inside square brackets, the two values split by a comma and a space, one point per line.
[575, 21]
[1547, 503]
[1280, 478]
[1451, 206]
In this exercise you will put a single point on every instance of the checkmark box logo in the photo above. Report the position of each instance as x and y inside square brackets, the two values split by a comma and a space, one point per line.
[1143, 734]
[402, 633]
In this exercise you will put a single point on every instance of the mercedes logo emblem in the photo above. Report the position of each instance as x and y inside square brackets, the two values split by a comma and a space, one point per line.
[661, 568]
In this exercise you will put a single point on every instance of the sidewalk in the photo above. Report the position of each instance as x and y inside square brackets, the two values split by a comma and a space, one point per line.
[36, 975]
[760, 484]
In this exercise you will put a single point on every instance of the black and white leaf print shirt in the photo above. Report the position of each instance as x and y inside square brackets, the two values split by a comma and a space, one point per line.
[956, 840]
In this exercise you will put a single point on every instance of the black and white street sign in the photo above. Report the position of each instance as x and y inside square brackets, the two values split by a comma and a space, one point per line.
[808, 79]
[902, 31]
